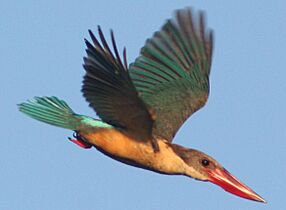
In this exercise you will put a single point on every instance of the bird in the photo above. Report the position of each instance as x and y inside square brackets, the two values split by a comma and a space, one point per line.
[142, 105]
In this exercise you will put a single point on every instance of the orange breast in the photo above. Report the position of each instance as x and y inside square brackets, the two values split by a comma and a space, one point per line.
[120, 145]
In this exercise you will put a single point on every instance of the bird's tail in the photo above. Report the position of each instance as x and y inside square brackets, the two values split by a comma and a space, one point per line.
[51, 110]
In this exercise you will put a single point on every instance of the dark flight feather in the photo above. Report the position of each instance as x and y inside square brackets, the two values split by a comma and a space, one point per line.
[109, 90]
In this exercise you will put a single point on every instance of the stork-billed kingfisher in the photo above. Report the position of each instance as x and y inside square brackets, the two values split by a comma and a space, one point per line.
[142, 105]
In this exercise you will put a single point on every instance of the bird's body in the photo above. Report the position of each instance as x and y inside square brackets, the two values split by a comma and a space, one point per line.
[142, 106]
[124, 148]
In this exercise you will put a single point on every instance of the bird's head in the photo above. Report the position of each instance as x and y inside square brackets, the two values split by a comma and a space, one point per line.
[204, 168]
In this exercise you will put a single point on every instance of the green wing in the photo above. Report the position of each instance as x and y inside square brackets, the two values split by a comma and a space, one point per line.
[108, 88]
[172, 73]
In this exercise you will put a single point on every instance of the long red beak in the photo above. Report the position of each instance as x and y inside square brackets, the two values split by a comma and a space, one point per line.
[231, 184]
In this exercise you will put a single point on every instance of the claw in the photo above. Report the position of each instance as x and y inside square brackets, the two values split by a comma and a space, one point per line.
[79, 141]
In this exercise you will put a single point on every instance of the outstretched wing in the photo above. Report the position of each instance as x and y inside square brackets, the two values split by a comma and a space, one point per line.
[110, 92]
[172, 72]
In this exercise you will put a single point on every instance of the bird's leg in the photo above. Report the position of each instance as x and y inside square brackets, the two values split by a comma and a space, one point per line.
[155, 144]
[80, 141]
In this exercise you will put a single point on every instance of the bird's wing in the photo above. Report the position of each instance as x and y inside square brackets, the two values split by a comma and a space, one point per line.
[109, 90]
[172, 73]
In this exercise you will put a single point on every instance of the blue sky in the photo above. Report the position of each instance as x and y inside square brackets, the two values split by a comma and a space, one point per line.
[242, 125]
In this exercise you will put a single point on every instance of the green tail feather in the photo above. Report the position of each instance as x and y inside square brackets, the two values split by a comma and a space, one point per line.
[53, 111]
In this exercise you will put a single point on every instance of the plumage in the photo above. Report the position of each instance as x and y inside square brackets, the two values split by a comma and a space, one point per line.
[143, 106]
[108, 88]
[172, 72]
[56, 112]
[50, 110]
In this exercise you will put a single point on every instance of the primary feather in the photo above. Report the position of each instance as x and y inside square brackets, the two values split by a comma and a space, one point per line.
[109, 90]
[172, 72]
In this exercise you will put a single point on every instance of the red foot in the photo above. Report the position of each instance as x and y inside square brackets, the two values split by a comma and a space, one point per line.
[81, 143]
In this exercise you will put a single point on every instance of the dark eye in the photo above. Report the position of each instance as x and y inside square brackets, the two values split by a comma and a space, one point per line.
[205, 162]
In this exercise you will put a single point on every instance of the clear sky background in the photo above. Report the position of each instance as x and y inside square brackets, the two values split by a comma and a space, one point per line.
[242, 125]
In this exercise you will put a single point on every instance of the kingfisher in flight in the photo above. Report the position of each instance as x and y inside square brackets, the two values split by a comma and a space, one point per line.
[141, 106]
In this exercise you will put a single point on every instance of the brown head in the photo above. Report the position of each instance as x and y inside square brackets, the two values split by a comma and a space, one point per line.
[204, 168]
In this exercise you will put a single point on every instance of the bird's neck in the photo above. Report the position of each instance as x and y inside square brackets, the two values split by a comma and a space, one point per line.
[188, 156]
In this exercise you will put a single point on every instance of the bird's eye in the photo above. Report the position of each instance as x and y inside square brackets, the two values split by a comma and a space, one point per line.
[205, 162]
